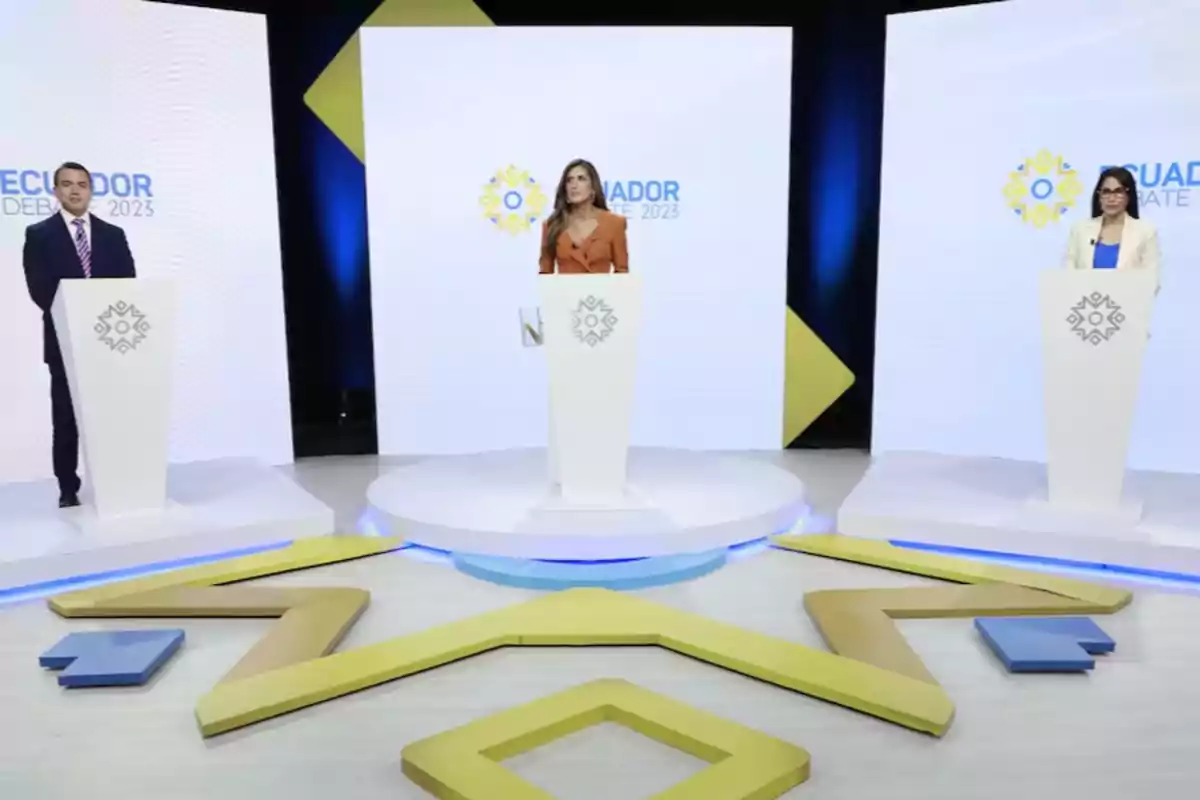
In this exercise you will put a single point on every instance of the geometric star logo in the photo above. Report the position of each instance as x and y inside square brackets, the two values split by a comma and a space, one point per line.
[122, 327]
[871, 668]
[593, 321]
[1095, 318]
[512, 200]
[1040, 190]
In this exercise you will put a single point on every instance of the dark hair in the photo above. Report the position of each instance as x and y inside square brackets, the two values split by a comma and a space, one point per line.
[72, 165]
[556, 223]
[1123, 177]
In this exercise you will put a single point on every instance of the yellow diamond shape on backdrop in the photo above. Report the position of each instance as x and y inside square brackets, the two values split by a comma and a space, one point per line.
[336, 95]
[814, 377]
[464, 763]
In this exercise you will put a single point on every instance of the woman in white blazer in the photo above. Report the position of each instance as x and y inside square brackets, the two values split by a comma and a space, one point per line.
[1115, 237]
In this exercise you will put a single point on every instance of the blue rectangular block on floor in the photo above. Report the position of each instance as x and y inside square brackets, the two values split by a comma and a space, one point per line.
[1045, 644]
[111, 658]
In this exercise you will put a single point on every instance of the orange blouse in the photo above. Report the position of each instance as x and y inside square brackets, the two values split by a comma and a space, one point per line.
[604, 250]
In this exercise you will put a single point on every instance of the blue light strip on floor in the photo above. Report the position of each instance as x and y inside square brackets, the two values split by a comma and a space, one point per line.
[1066, 563]
[762, 542]
[424, 548]
[733, 548]
[34, 590]
[588, 560]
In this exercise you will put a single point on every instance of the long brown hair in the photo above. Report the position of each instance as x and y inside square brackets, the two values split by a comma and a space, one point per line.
[557, 221]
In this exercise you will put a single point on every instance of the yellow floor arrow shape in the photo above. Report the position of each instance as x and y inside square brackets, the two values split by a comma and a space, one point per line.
[857, 623]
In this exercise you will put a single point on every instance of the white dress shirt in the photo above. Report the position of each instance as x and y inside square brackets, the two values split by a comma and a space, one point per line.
[70, 218]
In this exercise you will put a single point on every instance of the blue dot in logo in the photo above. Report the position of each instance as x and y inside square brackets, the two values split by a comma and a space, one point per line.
[1042, 188]
[513, 200]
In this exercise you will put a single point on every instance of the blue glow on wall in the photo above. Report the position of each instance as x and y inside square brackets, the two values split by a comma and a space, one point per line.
[837, 183]
[341, 207]
[340, 203]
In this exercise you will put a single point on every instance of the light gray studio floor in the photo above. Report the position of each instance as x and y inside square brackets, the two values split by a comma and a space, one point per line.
[1128, 729]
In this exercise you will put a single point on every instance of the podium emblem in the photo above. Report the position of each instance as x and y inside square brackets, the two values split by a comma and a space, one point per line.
[593, 321]
[1096, 318]
[122, 327]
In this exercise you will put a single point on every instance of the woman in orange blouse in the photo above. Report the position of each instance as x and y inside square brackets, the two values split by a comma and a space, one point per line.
[582, 236]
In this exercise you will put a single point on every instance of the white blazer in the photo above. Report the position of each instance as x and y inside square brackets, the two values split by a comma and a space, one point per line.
[1139, 245]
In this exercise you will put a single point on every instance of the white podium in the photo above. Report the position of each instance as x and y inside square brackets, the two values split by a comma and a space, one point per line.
[117, 338]
[591, 325]
[1095, 325]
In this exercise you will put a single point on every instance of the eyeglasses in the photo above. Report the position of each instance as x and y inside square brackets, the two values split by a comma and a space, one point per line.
[1120, 191]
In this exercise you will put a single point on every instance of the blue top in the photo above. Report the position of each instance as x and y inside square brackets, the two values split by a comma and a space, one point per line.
[1106, 255]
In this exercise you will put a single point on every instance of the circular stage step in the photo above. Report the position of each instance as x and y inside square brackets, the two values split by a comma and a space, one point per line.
[500, 504]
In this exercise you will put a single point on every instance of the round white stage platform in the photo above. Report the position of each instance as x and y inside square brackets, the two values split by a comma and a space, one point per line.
[500, 504]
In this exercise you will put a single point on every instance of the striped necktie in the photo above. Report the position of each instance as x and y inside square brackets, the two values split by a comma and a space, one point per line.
[83, 248]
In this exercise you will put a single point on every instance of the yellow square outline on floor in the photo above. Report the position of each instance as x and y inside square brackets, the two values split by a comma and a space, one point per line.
[464, 763]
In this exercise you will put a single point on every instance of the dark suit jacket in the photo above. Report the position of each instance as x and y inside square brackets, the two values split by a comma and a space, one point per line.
[50, 257]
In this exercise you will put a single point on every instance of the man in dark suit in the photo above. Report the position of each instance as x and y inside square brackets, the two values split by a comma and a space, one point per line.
[70, 245]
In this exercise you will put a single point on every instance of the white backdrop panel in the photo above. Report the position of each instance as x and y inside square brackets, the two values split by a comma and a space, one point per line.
[181, 96]
[971, 94]
[705, 108]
